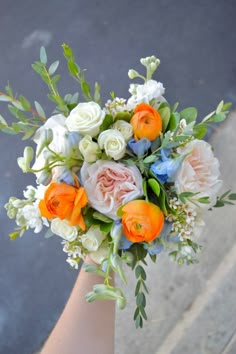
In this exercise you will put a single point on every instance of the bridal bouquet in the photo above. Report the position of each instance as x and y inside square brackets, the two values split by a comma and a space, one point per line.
[118, 182]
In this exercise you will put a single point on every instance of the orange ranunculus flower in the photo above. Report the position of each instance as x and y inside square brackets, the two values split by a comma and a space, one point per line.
[142, 221]
[65, 202]
[146, 122]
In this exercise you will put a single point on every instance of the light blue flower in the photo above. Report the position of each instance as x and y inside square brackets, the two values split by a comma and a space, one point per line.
[166, 168]
[154, 247]
[139, 147]
[124, 244]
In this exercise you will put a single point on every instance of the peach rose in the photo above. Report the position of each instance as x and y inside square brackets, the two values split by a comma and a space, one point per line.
[142, 221]
[146, 122]
[109, 185]
[199, 172]
[65, 202]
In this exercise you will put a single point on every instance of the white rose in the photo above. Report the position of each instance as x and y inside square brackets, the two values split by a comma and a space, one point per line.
[113, 142]
[93, 238]
[125, 128]
[63, 229]
[145, 93]
[89, 149]
[199, 172]
[86, 118]
[99, 255]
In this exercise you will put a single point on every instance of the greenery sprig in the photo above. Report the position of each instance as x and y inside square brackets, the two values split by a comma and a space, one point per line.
[140, 290]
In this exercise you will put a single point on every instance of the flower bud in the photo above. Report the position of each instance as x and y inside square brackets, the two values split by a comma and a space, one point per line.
[44, 178]
[133, 74]
[28, 155]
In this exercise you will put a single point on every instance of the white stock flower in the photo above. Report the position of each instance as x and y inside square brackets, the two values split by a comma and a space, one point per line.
[89, 149]
[29, 193]
[145, 93]
[73, 263]
[99, 255]
[32, 217]
[86, 118]
[125, 128]
[199, 172]
[63, 229]
[113, 142]
[93, 238]
[63, 143]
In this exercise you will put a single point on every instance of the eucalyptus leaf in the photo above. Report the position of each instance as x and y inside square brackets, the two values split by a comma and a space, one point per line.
[53, 67]
[189, 114]
[39, 109]
[165, 116]
[43, 55]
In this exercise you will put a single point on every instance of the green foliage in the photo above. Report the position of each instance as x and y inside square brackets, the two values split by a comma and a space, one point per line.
[47, 75]
[107, 122]
[140, 290]
[165, 116]
[79, 76]
[189, 114]
[226, 198]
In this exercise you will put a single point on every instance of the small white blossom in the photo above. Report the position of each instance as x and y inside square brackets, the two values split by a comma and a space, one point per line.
[116, 106]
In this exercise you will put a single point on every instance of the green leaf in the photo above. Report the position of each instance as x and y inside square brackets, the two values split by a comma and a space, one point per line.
[140, 272]
[53, 67]
[73, 67]
[97, 89]
[189, 114]
[108, 120]
[123, 116]
[219, 204]
[55, 79]
[226, 106]
[175, 106]
[174, 121]
[67, 50]
[43, 56]
[39, 109]
[38, 69]
[105, 227]
[204, 200]
[28, 134]
[9, 90]
[199, 131]
[101, 217]
[150, 159]
[141, 300]
[25, 103]
[220, 107]
[4, 98]
[85, 88]
[232, 196]
[7, 129]
[2, 120]
[154, 186]
[14, 235]
[138, 287]
[217, 118]
[165, 116]
[143, 312]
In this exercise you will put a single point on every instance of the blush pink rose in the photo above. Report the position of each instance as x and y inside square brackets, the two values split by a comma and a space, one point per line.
[109, 185]
[199, 172]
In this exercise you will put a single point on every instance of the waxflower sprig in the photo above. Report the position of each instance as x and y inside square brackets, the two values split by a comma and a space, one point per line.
[118, 182]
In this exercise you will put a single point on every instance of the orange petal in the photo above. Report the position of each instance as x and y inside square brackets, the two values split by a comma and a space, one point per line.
[44, 210]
